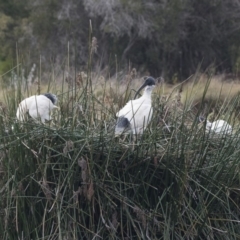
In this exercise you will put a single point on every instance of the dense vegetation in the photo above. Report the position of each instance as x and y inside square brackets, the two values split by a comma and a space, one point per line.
[73, 179]
[167, 38]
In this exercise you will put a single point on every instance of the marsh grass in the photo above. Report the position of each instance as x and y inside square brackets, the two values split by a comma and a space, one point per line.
[73, 179]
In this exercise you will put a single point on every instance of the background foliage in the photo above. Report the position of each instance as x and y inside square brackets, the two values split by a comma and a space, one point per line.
[167, 38]
[72, 178]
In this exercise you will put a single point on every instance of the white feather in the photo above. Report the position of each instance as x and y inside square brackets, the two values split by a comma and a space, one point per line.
[38, 106]
[219, 126]
[139, 111]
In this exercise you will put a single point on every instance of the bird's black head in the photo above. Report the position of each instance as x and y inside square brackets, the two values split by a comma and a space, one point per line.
[201, 119]
[53, 98]
[149, 81]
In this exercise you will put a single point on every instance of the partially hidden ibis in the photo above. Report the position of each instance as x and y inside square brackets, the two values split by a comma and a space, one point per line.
[37, 106]
[135, 116]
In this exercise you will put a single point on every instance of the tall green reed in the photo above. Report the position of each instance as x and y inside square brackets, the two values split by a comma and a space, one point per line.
[73, 179]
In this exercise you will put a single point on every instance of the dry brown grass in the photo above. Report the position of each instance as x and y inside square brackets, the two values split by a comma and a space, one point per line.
[114, 92]
[217, 88]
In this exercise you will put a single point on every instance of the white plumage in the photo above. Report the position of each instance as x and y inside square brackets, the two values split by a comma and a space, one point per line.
[136, 114]
[219, 126]
[38, 107]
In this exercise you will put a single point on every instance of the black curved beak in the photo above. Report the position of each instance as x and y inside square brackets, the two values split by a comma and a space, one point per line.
[143, 86]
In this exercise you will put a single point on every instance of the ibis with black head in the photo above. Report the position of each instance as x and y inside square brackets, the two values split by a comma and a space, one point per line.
[136, 114]
[38, 107]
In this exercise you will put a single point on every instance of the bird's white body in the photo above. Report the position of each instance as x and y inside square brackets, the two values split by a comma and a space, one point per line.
[138, 111]
[38, 107]
[219, 127]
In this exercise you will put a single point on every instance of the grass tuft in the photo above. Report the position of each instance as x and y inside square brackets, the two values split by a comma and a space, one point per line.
[73, 179]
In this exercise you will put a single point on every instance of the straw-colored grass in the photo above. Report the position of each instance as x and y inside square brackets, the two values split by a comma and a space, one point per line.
[218, 88]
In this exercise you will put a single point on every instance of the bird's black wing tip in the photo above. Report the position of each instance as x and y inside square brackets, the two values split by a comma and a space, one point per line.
[123, 122]
[123, 125]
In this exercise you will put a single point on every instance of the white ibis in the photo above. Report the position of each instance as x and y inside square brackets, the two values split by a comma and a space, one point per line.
[137, 113]
[219, 126]
[38, 106]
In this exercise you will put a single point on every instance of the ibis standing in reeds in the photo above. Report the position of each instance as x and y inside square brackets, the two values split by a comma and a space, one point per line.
[219, 126]
[38, 107]
[137, 113]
